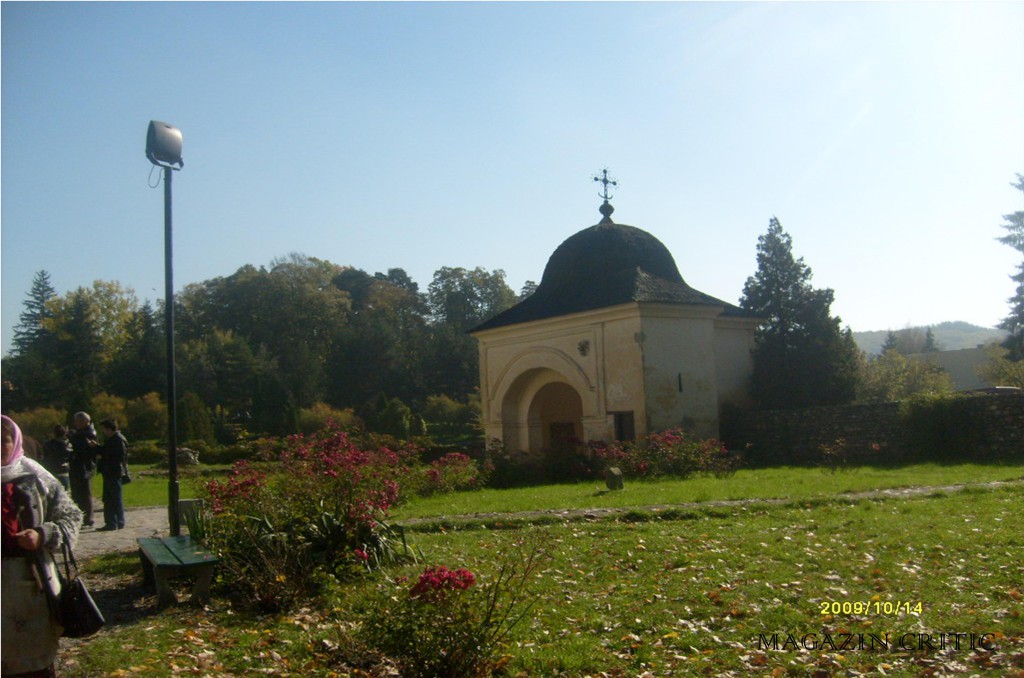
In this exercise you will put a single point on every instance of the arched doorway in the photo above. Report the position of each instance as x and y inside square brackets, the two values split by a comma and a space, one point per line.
[541, 410]
[555, 418]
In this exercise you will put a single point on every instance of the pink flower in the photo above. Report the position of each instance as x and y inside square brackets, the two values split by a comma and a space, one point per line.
[437, 581]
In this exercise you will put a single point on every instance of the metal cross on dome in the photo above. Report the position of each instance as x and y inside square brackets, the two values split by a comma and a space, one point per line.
[607, 182]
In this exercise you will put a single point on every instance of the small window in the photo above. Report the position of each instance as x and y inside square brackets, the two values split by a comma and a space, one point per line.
[624, 428]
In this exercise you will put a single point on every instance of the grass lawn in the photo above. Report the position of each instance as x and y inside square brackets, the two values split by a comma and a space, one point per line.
[764, 589]
[769, 483]
[149, 484]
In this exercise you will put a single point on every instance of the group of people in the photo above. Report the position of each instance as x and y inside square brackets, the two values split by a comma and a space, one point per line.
[73, 457]
[44, 506]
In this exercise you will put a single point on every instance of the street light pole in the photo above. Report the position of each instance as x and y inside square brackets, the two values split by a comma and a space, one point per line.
[173, 492]
[163, 148]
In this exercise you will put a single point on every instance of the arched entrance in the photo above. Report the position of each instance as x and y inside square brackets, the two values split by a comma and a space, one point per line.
[555, 418]
[541, 410]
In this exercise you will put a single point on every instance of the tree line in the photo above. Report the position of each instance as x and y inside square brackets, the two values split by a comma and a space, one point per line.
[260, 344]
[264, 344]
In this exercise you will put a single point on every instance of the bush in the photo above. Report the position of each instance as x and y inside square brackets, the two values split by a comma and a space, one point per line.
[454, 471]
[446, 625]
[147, 417]
[395, 419]
[193, 418]
[38, 423]
[320, 415]
[316, 517]
[227, 454]
[147, 452]
[505, 468]
[106, 406]
[668, 453]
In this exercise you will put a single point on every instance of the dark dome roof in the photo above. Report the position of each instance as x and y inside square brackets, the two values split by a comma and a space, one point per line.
[590, 256]
[606, 265]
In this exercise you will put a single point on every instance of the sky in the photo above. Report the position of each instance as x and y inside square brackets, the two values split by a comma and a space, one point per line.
[884, 136]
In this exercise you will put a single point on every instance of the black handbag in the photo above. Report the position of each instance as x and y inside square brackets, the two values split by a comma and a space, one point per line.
[76, 611]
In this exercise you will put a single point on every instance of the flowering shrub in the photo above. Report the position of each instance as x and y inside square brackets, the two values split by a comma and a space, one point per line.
[282, 530]
[445, 625]
[454, 471]
[834, 456]
[436, 582]
[668, 453]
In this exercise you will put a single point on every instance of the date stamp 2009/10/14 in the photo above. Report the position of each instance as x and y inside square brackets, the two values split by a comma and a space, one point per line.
[876, 607]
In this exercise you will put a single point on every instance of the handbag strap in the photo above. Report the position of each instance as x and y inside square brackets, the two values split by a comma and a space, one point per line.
[67, 553]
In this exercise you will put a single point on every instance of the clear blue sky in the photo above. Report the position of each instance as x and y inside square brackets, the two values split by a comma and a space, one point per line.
[884, 136]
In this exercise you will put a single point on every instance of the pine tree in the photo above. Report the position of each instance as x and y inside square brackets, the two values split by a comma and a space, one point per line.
[801, 356]
[1014, 323]
[30, 333]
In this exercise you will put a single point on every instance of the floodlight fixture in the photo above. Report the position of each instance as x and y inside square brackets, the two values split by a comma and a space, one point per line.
[163, 145]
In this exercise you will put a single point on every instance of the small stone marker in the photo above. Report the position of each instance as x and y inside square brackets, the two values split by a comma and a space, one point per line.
[613, 478]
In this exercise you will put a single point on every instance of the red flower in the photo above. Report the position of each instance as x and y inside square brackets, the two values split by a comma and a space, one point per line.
[437, 581]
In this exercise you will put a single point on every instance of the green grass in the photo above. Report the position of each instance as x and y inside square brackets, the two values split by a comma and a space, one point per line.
[689, 596]
[149, 484]
[772, 483]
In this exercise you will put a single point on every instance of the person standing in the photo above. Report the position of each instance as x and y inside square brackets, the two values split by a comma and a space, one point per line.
[113, 461]
[83, 464]
[38, 515]
[57, 456]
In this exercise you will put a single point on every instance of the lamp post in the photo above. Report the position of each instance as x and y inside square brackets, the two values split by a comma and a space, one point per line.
[163, 149]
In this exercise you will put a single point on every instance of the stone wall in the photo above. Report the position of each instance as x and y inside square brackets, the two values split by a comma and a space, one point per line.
[970, 428]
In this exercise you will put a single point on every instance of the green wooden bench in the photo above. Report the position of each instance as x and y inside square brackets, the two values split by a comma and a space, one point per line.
[166, 557]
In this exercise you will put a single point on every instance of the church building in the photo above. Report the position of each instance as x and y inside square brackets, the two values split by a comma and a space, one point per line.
[612, 345]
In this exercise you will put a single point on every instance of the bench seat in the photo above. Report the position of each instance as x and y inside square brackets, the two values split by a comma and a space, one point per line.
[166, 557]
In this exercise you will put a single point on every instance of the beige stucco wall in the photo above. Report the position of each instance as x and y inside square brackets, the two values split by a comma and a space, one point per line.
[669, 365]
[679, 368]
[961, 365]
[593, 352]
[734, 360]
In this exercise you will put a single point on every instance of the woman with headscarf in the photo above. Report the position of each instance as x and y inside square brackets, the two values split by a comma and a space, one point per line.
[37, 516]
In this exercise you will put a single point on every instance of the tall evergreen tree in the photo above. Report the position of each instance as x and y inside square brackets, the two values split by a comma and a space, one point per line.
[138, 366]
[31, 331]
[801, 356]
[31, 372]
[1014, 322]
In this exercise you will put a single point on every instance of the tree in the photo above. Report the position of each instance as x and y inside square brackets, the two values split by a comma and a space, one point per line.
[462, 299]
[892, 376]
[529, 287]
[801, 356]
[78, 348]
[293, 313]
[459, 300]
[31, 332]
[1000, 370]
[911, 341]
[380, 348]
[1014, 322]
[31, 372]
[138, 365]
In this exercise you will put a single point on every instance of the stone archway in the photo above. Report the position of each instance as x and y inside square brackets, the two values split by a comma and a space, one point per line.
[541, 409]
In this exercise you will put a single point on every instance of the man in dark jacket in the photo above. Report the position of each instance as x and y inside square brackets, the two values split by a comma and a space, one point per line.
[113, 461]
[83, 464]
[57, 456]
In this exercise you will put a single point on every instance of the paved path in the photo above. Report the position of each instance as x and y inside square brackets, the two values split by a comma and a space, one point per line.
[139, 522]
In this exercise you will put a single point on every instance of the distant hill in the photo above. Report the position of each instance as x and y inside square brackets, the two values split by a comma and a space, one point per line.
[948, 335]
